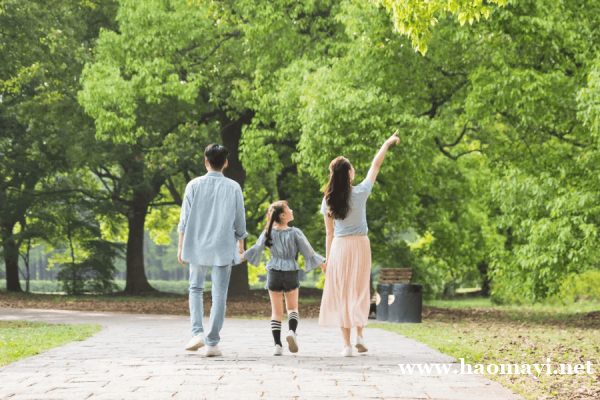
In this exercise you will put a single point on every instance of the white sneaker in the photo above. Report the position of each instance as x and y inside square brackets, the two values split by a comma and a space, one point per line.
[347, 352]
[360, 345]
[195, 343]
[278, 350]
[213, 351]
[292, 341]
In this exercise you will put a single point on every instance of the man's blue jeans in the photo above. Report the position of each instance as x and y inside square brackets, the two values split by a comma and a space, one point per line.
[220, 283]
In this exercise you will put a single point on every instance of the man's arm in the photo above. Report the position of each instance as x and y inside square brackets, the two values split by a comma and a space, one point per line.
[180, 248]
[186, 206]
[240, 221]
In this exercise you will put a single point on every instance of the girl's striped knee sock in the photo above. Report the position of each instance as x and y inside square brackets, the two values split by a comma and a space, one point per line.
[293, 321]
[276, 330]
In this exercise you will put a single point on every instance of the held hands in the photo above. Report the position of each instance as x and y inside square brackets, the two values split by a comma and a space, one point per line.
[324, 266]
[394, 139]
[241, 249]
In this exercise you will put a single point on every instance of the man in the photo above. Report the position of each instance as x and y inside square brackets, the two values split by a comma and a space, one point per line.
[212, 220]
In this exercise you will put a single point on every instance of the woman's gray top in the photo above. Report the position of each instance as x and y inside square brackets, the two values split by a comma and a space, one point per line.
[355, 222]
[286, 244]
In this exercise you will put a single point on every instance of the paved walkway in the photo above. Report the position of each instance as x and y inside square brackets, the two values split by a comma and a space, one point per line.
[142, 357]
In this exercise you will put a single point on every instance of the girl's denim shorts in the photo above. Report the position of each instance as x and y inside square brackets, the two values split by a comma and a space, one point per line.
[282, 281]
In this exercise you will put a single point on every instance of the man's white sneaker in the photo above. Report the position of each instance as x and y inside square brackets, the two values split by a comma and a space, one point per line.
[213, 351]
[195, 343]
[360, 345]
[347, 352]
[292, 341]
[278, 350]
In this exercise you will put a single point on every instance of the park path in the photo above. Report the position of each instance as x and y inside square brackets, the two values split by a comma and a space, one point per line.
[142, 357]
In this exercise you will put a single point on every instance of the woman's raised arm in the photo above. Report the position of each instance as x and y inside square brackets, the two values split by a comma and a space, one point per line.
[372, 175]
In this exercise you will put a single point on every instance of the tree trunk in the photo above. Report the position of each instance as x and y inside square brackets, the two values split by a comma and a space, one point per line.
[11, 259]
[485, 286]
[231, 133]
[136, 281]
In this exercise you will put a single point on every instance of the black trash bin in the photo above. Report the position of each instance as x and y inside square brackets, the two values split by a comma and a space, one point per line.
[384, 290]
[408, 303]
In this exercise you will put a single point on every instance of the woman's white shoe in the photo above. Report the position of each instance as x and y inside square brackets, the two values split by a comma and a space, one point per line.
[278, 350]
[347, 352]
[360, 345]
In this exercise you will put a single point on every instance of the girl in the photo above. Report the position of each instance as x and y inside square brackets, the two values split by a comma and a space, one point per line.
[346, 296]
[282, 276]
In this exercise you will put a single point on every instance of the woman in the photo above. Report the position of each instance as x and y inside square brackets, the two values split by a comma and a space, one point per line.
[346, 296]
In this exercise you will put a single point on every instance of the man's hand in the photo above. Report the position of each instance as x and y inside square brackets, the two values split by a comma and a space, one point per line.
[242, 256]
[179, 257]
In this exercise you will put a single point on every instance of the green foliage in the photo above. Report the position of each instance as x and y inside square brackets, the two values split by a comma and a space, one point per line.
[580, 287]
[87, 262]
[499, 124]
[44, 46]
[415, 18]
[95, 273]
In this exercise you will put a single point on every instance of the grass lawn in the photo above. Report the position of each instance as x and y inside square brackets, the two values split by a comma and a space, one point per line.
[482, 334]
[20, 339]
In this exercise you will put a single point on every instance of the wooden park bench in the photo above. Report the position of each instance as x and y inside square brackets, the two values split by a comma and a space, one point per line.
[395, 275]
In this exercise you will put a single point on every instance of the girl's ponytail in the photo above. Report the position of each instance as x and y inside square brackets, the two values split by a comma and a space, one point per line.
[274, 215]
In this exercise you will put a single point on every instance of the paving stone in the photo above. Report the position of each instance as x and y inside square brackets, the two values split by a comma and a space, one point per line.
[142, 357]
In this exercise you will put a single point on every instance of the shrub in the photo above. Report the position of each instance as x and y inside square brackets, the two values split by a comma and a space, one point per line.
[578, 287]
[95, 274]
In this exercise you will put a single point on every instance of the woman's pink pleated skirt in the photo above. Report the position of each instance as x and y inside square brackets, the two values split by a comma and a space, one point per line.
[346, 295]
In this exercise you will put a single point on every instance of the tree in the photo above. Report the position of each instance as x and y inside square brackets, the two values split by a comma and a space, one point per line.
[43, 48]
[184, 60]
[349, 102]
[87, 261]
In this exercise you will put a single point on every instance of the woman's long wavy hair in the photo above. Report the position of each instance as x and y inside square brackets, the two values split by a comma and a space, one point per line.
[337, 192]
[274, 215]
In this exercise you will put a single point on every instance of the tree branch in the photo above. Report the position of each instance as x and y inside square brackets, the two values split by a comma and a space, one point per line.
[226, 37]
[174, 193]
[164, 203]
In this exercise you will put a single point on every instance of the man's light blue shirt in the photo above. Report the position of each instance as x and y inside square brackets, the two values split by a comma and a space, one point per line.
[212, 220]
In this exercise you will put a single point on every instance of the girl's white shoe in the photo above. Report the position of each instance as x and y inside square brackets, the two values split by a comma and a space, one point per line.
[278, 350]
[292, 341]
[360, 345]
[347, 352]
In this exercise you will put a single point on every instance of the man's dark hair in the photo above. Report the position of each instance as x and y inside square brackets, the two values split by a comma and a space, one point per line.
[216, 156]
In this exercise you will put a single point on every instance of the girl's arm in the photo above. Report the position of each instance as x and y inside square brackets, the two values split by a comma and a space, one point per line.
[372, 175]
[252, 255]
[312, 260]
